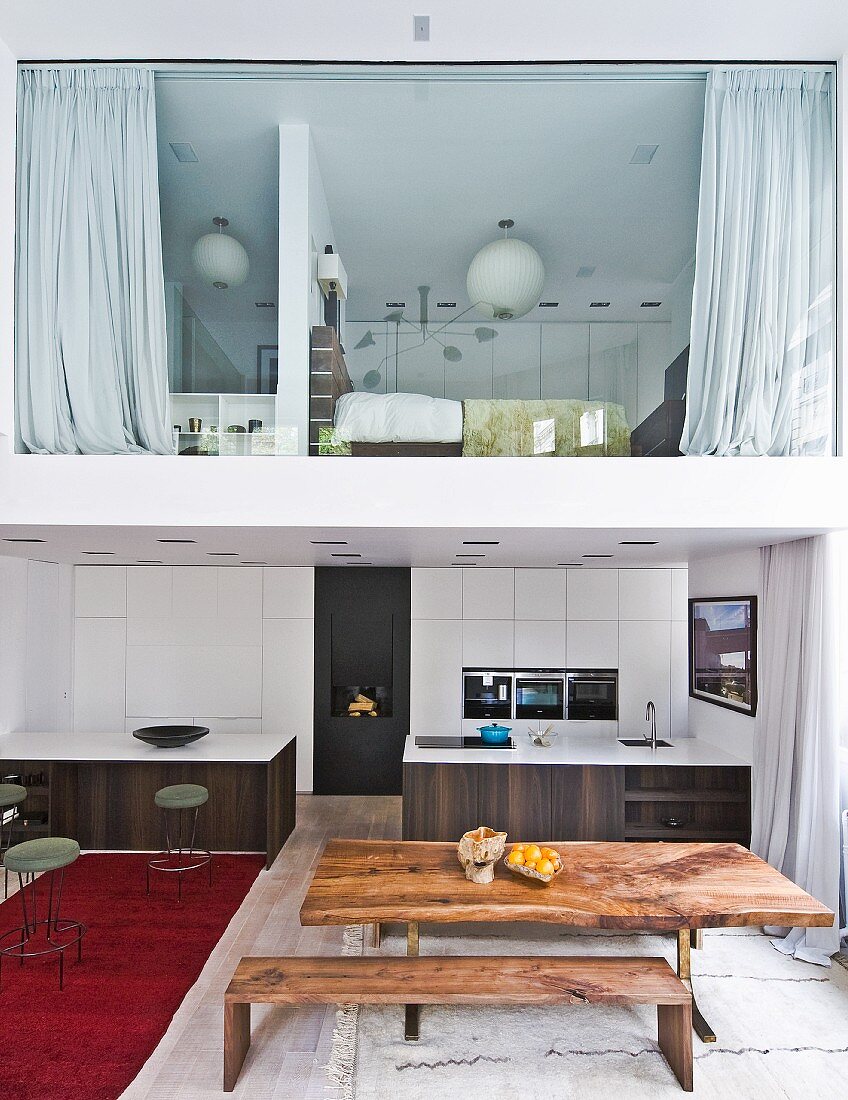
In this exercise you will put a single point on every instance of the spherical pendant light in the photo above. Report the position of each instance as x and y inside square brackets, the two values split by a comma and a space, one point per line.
[506, 277]
[220, 260]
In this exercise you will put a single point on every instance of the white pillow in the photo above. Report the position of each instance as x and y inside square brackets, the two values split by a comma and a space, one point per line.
[396, 418]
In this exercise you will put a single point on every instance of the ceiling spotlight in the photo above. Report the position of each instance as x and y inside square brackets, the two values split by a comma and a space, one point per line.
[177, 540]
[367, 341]
[222, 554]
[100, 553]
[638, 542]
[650, 305]
[446, 305]
[23, 540]
[597, 555]
[572, 564]
[328, 542]
[481, 542]
[598, 305]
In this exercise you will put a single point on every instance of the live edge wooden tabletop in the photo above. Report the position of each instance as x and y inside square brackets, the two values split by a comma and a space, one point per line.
[662, 886]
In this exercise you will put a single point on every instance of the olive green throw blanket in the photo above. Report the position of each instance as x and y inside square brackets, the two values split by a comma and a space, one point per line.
[505, 428]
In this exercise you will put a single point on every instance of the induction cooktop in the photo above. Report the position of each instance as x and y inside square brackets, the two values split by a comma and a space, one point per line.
[449, 741]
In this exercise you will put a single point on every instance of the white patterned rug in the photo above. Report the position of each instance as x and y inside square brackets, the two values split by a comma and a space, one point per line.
[782, 1028]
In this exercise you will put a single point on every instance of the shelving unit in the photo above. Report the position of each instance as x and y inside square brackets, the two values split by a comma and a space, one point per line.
[220, 410]
[711, 804]
[36, 804]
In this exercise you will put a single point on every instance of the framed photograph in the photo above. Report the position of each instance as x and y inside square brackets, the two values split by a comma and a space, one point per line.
[723, 652]
[266, 368]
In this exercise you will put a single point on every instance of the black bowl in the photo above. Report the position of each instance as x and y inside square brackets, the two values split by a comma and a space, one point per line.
[170, 737]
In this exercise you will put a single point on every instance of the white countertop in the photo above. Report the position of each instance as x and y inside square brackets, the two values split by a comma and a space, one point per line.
[124, 748]
[578, 750]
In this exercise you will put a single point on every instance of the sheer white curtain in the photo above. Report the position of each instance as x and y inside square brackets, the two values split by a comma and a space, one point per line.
[761, 360]
[796, 757]
[91, 361]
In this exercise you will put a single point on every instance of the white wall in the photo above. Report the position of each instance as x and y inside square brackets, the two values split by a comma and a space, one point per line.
[230, 648]
[630, 619]
[35, 645]
[724, 575]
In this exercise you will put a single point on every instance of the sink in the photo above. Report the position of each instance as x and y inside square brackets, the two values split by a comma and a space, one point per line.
[640, 742]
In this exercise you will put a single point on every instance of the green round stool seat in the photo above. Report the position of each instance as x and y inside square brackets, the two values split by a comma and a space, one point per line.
[49, 853]
[181, 796]
[11, 794]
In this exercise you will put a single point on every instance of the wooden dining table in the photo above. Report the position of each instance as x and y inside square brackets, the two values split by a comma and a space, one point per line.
[642, 887]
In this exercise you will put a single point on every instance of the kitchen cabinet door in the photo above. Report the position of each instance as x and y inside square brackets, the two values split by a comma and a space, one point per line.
[539, 594]
[488, 593]
[587, 802]
[680, 594]
[645, 594]
[592, 593]
[679, 679]
[592, 644]
[488, 643]
[644, 672]
[436, 593]
[100, 591]
[539, 644]
[516, 799]
[439, 801]
[435, 685]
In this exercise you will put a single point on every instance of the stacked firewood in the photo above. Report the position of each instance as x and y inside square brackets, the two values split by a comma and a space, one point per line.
[362, 705]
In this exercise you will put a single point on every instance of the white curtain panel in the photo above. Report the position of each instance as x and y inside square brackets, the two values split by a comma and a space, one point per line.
[91, 360]
[796, 756]
[761, 346]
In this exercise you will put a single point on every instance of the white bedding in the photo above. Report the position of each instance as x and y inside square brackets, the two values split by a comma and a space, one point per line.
[396, 418]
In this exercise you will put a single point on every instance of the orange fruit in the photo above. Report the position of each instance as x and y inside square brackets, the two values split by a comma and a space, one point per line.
[516, 856]
[533, 851]
[545, 867]
[518, 847]
[553, 853]
[530, 863]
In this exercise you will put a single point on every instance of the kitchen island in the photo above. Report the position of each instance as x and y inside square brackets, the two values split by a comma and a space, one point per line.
[98, 788]
[581, 788]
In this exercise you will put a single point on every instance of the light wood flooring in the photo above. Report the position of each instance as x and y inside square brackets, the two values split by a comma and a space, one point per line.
[291, 1046]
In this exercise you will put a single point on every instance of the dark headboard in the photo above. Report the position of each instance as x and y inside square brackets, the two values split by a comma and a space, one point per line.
[328, 380]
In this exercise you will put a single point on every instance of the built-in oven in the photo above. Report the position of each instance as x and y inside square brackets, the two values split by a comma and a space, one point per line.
[486, 694]
[592, 694]
[540, 694]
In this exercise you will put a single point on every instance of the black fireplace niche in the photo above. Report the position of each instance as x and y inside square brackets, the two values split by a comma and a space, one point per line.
[362, 620]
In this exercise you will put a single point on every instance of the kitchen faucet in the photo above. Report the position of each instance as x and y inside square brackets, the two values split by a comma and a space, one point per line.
[651, 716]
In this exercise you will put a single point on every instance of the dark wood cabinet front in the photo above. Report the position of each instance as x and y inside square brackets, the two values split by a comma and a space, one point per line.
[587, 802]
[439, 801]
[517, 800]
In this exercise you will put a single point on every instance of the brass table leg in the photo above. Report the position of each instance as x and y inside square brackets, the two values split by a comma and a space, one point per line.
[684, 971]
[378, 934]
[410, 1030]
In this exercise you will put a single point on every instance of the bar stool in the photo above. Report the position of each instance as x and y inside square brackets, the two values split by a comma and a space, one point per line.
[46, 855]
[11, 795]
[176, 799]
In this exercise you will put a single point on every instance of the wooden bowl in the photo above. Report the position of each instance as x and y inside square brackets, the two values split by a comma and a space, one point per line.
[531, 872]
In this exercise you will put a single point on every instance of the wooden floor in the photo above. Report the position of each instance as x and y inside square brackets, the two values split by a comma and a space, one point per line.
[290, 1047]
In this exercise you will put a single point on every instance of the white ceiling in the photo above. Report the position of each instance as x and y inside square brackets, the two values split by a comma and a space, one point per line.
[399, 547]
[417, 173]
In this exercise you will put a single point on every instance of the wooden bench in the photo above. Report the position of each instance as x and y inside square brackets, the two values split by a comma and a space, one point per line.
[466, 980]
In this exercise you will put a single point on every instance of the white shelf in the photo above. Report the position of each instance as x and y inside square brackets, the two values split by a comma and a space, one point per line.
[219, 410]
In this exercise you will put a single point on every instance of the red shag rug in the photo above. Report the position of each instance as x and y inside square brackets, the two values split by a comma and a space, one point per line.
[139, 959]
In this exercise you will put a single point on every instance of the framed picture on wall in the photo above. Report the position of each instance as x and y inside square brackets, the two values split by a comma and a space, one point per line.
[266, 368]
[723, 652]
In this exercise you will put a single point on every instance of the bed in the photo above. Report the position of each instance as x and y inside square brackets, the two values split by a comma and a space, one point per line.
[348, 422]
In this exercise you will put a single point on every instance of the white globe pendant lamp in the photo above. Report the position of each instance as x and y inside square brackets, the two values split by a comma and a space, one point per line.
[219, 259]
[506, 277]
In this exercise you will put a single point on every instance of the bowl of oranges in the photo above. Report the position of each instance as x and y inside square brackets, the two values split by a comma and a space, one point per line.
[542, 864]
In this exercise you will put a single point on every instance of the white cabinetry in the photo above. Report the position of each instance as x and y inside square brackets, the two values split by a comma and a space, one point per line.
[680, 594]
[592, 593]
[488, 593]
[435, 688]
[679, 679]
[539, 594]
[645, 594]
[539, 643]
[436, 593]
[644, 673]
[488, 643]
[592, 643]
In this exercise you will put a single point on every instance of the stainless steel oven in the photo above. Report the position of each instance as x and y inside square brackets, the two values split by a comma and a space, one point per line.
[486, 694]
[540, 693]
[592, 694]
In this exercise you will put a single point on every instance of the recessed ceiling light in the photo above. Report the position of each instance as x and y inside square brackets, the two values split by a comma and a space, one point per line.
[148, 561]
[465, 564]
[183, 151]
[650, 305]
[254, 563]
[639, 542]
[446, 305]
[222, 554]
[597, 555]
[469, 555]
[264, 305]
[548, 305]
[345, 555]
[481, 542]
[177, 540]
[577, 564]
[598, 305]
[362, 563]
[643, 154]
[23, 540]
[585, 272]
[328, 542]
[100, 553]
[395, 305]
